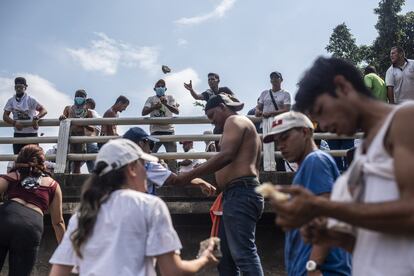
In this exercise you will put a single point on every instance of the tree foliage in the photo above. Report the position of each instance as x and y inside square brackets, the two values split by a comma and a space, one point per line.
[342, 44]
[389, 31]
[407, 39]
[394, 29]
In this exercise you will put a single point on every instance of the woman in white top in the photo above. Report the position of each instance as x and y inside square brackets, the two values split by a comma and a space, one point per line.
[118, 229]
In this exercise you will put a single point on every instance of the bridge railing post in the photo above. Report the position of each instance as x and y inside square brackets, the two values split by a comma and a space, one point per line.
[62, 146]
[269, 163]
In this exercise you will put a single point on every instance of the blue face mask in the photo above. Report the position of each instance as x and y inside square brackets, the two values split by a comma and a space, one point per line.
[160, 91]
[79, 101]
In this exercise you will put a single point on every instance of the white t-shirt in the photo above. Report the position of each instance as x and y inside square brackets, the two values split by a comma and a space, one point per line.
[23, 110]
[131, 229]
[194, 162]
[162, 112]
[402, 79]
[282, 97]
[157, 174]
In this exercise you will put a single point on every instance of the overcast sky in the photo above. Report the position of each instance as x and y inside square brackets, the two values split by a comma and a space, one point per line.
[111, 48]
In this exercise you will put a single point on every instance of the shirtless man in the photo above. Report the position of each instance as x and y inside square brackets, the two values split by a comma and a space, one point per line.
[236, 170]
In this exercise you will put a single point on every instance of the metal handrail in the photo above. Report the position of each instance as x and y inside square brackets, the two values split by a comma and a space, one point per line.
[164, 155]
[162, 138]
[126, 121]
[64, 139]
[42, 122]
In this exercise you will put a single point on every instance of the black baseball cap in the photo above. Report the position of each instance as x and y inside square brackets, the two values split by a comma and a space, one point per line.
[136, 134]
[276, 74]
[20, 80]
[216, 100]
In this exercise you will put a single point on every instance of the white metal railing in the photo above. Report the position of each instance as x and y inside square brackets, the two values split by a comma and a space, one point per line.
[63, 139]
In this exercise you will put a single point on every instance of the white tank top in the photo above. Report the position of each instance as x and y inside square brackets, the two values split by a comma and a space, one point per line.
[377, 253]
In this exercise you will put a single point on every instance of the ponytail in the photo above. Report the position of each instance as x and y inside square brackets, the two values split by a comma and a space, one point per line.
[96, 190]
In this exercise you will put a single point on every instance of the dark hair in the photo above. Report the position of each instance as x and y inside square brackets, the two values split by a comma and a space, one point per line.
[319, 79]
[122, 99]
[81, 93]
[91, 102]
[370, 69]
[399, 49]
[20, 80]
[225, 90]
[160, 82]
[96, 190]
[276, 74]
[214, 75]
[30, 162]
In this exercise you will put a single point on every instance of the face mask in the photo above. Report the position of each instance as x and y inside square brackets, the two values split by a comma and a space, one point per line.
[160, 91]
[79, 101]
[19, 94]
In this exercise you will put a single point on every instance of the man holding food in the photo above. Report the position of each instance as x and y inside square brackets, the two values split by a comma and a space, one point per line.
[293, 133]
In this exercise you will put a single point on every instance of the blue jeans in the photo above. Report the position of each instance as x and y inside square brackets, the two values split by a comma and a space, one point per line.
[341, 144]
[91, 148]
[169, 147]
[242, 208]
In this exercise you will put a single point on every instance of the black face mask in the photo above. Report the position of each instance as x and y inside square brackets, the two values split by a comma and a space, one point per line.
[19, 94]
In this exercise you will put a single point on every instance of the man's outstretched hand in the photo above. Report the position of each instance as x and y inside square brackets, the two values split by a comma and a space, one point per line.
[206, 188]
[189, 86]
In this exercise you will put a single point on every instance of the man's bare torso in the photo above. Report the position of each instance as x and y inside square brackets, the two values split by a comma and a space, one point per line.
[248, 154]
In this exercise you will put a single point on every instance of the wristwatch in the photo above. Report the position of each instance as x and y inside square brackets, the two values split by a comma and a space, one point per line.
[311, 265]
[35, 118]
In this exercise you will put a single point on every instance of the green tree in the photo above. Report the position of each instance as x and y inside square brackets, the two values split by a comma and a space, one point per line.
[366, 55]
[407, 39]
[342, 44]
[394, 29]
[390, 32]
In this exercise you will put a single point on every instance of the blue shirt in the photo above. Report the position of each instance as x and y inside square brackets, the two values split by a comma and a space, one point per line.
[317, 173]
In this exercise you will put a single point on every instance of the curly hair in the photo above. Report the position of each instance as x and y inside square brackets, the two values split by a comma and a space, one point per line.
[30, 161]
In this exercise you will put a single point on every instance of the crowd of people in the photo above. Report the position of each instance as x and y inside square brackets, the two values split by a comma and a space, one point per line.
[360, 222]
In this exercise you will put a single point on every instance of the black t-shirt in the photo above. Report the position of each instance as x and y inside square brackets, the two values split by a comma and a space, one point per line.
[208, 93]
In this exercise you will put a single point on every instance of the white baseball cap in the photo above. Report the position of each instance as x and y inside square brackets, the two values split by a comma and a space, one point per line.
[285, 121]
[120, 152]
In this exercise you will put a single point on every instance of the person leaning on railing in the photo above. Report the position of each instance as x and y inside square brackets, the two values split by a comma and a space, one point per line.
[30, 193]
[24, 108]
[92, 147]
[77, 110]
[119, 106]
[162, 105]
